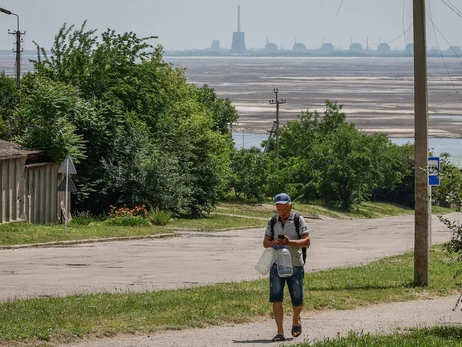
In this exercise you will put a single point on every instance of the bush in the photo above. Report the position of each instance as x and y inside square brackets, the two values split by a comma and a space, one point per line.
[160, 218]
[129, 217]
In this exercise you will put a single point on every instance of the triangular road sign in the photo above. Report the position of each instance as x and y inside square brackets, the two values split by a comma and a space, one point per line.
[70, 186]
[67, 167]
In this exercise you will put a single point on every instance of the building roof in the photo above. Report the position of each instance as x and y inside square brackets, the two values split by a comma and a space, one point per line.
[10, 149]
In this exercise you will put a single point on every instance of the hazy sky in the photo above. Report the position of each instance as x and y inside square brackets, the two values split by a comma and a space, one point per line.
[186, 24]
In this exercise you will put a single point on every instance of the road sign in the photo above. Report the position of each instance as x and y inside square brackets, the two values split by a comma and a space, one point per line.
[67, 167]
[67, 185]
[70, 185]
[433, 168]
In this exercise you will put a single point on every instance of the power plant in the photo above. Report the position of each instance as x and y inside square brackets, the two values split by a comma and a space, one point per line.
[238, 46]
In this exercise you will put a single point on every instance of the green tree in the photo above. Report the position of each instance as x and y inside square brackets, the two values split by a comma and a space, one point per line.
[449, 192]
[222, 111]
[9, 97]
[251, 173]
[144, 113]
[398, 168]
[324, 157]
[44, 122]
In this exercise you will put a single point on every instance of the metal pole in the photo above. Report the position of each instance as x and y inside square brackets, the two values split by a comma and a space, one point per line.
[66, 194]
[422, 188]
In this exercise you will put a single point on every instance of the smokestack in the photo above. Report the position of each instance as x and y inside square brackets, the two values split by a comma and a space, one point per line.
[238, 46]
[238, 18]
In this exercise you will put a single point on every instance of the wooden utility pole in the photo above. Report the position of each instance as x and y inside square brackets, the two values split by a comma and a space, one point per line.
[422, 189]
[277, 103]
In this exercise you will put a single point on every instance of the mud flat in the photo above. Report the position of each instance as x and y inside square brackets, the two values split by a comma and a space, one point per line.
[377, 93]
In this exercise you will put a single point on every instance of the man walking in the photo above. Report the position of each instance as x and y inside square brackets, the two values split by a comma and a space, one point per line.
[289, 229]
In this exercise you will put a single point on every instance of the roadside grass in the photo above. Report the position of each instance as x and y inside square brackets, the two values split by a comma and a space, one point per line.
[364, 210]
[371, 209]
[444, 336]
[441, 210]
[25, 233]
[67, 319]
[216, 222]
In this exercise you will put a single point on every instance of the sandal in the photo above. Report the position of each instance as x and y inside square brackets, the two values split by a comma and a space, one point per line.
[278, 338]
[297, 329]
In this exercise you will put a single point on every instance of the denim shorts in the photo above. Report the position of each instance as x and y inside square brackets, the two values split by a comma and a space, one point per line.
[294, 282]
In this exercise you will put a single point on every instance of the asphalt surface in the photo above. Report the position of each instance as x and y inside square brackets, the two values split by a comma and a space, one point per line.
[195, 258]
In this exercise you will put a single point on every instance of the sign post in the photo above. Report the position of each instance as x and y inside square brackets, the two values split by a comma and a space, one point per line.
[67, 185]
[433, 169]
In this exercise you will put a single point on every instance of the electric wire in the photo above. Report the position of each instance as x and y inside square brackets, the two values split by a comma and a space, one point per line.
[400, 36]
[449, 4]
[341, 4]
[435, 28]
[405, 40]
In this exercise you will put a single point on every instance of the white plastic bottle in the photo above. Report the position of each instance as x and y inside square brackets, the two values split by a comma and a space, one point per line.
[284, 262]
[266, 260]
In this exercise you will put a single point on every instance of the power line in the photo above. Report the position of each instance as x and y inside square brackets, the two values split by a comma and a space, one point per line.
[405, 41]
[439, 49]
[400, 36]
[339, 7]
[452, 7]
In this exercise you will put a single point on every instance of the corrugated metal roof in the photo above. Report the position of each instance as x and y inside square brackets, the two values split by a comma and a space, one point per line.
[10, 149]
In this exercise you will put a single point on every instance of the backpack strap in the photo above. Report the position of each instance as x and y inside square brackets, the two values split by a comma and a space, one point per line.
[272, 223]
[297, 229]
[297, 223]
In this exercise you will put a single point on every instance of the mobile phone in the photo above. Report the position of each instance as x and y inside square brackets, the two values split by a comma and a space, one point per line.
[281, 236]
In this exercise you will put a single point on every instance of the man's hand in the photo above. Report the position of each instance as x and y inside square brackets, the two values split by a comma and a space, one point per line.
[284, 241]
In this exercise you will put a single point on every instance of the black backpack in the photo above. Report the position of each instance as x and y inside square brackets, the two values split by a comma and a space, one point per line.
[297, 228]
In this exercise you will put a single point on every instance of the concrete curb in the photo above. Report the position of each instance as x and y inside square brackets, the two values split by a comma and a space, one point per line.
[86, 241]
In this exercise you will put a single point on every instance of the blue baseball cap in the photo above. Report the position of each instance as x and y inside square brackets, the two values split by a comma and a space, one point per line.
[282, 198]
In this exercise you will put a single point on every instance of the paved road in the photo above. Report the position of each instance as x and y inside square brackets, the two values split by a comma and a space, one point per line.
[195, 258]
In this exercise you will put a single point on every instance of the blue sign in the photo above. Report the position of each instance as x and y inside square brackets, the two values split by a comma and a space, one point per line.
[433, 168]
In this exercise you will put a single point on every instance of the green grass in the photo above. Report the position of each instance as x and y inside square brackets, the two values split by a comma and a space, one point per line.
[213, 222]
[25, 233]
[72, 318]
[365, 210]
[445, 336]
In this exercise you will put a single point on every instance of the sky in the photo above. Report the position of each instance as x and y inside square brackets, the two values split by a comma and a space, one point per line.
[186, 24]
